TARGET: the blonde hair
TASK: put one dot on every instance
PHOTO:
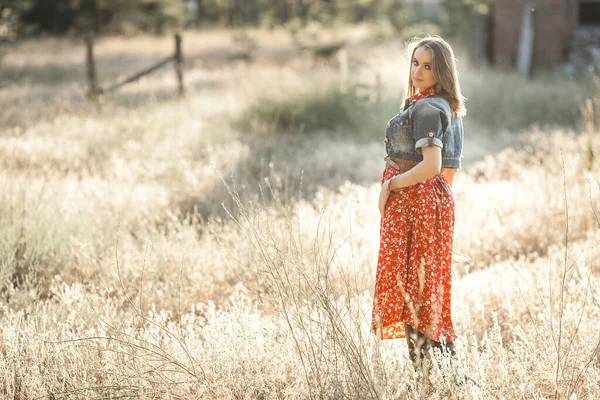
(444, 70)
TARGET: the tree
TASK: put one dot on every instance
(66, 16)
(10, 18)
(460, 15)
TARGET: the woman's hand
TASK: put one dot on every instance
(384, 194)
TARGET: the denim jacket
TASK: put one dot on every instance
(427, 122)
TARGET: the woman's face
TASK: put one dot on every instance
(421, 70)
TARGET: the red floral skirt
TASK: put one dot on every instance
(414, 268)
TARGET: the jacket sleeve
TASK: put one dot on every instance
(429, 125)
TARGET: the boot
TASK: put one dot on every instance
(417, 351)
(419, 346)
(417, 343)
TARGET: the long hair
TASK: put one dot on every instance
(444, 70)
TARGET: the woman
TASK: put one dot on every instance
(424, 147)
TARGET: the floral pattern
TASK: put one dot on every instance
(418, 96)
(414, 269)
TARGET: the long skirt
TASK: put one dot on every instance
(414, 269)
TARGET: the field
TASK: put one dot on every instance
(224, 244)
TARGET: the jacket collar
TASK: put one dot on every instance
(425, 93)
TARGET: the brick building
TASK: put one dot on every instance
(563, 30)
(554, 24)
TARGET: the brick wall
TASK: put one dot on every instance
(554, 22)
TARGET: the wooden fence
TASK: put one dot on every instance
(93, 90)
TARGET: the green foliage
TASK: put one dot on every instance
(76, 16)
(158, 16)
(459, 14)
(353, 111)
(11, 12)
(491, 101)
(155, 16)
(310, 38)
(245, 46)
(549, 100)
(55, 17)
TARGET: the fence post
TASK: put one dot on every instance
(91, 67)
(179, 64)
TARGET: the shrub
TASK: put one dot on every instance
(506, 101)
(355, 110)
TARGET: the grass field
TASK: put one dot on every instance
(223, 245)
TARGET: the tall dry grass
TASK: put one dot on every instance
(153, 247)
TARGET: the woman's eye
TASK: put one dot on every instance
(428, 67)
(415, 63)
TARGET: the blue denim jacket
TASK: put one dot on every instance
(427, 122)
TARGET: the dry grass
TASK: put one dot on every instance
(151, 248)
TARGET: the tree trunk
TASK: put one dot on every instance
(90, 67)
(241, 10)
(282, 10)
(303, 6)
(95, 16)
(231, 12)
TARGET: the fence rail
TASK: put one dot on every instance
(93, 90)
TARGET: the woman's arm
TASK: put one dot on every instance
(429, 167)
(449, 174)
